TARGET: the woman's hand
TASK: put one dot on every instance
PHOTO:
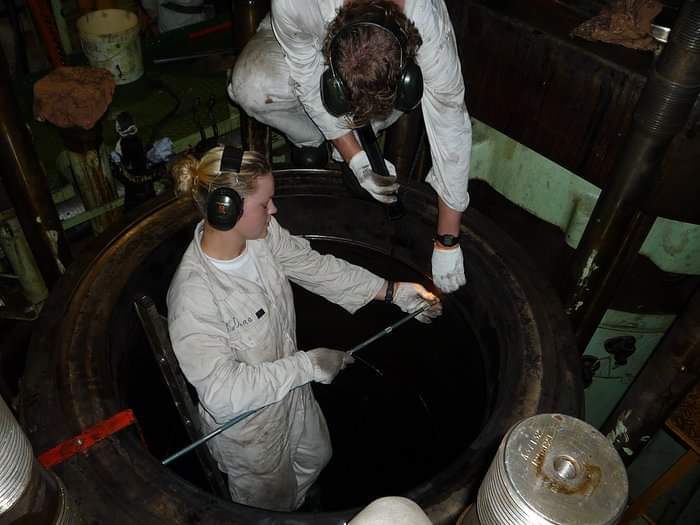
(412, 296)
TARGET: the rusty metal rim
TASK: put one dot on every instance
(70, 383)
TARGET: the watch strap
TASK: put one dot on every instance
(448, 240)
(389, 297)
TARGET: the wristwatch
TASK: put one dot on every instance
(447, 240)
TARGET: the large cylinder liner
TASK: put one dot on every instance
(553, 469)
(27, 491)
(520, 330)
(17, 458)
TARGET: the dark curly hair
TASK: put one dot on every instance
(368, 59)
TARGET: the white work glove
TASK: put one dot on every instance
(448, 268)
(328, 363)
(379, 187)
(412, 296)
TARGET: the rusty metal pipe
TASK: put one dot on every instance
(27, 187)
(402, 143)
(247, 15)
(88, 159)
(617, 228)
(668, 375)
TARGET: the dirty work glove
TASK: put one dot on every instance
(412, 296)
(448, 268)
(380, 188)
(328, 363)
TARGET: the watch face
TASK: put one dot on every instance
(448, 240)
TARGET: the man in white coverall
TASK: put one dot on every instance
(233, 328)
(277, 81)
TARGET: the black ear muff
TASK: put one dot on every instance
(333, 94)
(410, 88)
(224, 208)
(224, 204)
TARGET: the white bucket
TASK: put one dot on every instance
(110, 40)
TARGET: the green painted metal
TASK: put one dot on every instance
(610, 382)
(560, 197)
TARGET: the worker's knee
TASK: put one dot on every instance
(391, 509)
(242, 90)
(260, 78)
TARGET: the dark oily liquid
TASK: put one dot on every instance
(394, 431)
(390, 432)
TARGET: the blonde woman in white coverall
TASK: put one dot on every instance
(233, 328)
(276, 80)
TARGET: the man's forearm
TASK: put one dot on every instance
(347, 145)
(448, 219)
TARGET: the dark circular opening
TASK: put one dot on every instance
(503, 351)
(391, 415)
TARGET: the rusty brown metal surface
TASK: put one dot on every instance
(685, 420)
(89, 164)
(403, 145)
(27, 187)
(566, 98)
(247, 14)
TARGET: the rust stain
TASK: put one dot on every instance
(591, 479)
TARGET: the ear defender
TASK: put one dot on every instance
(409, 89)
(333, 93)
(224, 204)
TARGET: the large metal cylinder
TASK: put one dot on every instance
(552, 469)
(16, 468)
(425, 430)
(27, 491)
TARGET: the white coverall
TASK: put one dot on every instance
(236, 344)
(277, 82)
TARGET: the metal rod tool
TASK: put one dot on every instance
(389, 329)
(233, 421)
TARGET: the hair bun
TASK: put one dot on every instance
(183, 173)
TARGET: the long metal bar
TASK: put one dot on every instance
(204, 54)
(617, 228)
(209, 436)
(27, 187)
(389, 329)
(241, 417)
